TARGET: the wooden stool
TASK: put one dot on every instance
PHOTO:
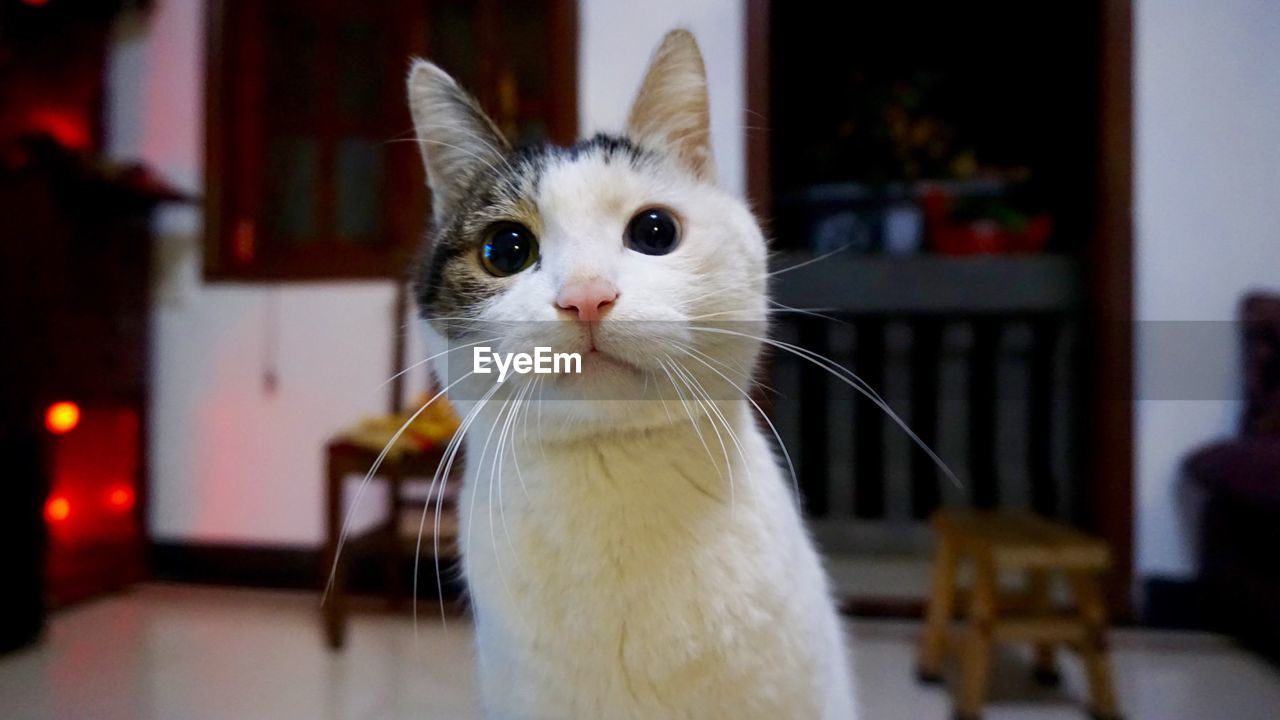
(1007, 541)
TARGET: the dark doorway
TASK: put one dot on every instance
(965, 175)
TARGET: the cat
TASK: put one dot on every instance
(631, 545)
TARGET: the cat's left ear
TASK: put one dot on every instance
(456, 138)
(672, 110)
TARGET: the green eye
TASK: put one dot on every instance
(508, 248)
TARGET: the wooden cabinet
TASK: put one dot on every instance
(312, 170)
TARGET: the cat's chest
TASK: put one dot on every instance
(639, 584)
(616, 522)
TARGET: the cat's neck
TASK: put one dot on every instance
(715, 454)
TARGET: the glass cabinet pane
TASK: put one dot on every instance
(293, 168)
(358, 174)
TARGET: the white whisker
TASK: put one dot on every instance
(795, 482)
(346, 521)
(692, 421)
(508, 407)
(429, 359)
(475, 155)
(442, 474)
(810, 261)
(696, 387)
(860, 385)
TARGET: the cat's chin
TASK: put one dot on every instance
(604, 376)
(601, 363)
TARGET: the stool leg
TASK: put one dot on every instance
(1045, 669)
(1093, 650)
(975, 664)
(939, 613)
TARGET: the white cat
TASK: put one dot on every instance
(631, 546)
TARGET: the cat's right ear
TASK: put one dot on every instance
(672, 110)
(456, 138)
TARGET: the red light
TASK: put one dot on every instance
(66, 126)
(36, 3)
(246, 239)
(120, 498)
(57, 509)
(62, 417)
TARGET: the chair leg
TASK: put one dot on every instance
(335, 609)
(1093, 651)
(335, 605)
(391, 566)
(939, 613)
(1045, 669)
(976, 656)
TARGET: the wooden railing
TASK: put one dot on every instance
(977, 355)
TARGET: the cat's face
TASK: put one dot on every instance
(619, 248)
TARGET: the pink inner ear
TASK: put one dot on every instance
(672, 111)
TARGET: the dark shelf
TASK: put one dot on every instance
(930, 284)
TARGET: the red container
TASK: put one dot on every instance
(947, 236)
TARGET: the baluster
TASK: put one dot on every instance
(1073, 495)
(984, 366)
(869, 479)
(842, 403)
(926, 354)
(1040, 425)
(815, 431)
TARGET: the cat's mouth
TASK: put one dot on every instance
(601, 366)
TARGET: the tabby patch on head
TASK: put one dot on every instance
(578, 247)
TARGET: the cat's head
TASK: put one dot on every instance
(618, 248)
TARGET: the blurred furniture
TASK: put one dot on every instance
(74, 303)
(411, 457)
(77, 307)
(396, 537)
(1240, 483)
(1003, 542)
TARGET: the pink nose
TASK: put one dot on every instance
(589, 298)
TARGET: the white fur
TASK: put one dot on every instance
(618, 568)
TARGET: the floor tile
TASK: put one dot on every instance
(182, 652)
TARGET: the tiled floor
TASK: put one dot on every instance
(178, 652)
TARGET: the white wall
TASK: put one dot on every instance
(1207, 206)
(617, 38)
(230, 462)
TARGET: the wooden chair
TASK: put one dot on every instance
(397, 536)
(996, 542)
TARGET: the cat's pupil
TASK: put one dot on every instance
(653, 232)
(509, 249)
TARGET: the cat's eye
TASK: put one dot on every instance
(653, 231)
(508, 248)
